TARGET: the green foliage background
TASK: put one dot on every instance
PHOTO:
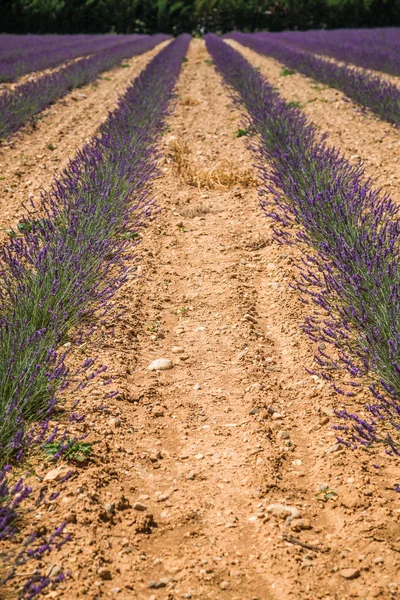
(176, 16)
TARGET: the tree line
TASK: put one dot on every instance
(177, 16)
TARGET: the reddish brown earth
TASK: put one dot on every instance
(237, 425)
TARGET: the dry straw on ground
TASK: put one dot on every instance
(224, 175)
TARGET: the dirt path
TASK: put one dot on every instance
(361, 135)
(31, 158)
(176, 502)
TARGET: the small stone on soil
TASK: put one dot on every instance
(283, 510)
(155, 585)
(334, 448)
(300, 524)
(350, 573)
(160, 364)
(57, 474)
(224, 585)
(104, 574)
(109, 507)
(177, 350)
(139, 506)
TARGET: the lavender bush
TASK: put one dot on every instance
(353, 275)
(26, 100)
(71, 262)
(370, 91)
(42, 55)
(350, 47)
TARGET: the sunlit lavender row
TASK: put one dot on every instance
(19, 105)
(33, 53)
(71, 261)
(368, 51)
(349, 233)
(370, 91)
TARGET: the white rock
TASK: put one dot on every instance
(161, 364)
(282, 510)
(57, 474)
(177, 350)
(334, 448)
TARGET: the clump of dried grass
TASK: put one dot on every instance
(224, 175)
(189, 101)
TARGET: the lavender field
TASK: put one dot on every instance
(199, 324)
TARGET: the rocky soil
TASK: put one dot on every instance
(216, 472)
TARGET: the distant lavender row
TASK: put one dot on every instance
(12, 45)
(71, 261)
(319, 200)
(52, 54)
(369, 91)
(384, 37)
(368, 53)
(18, 106)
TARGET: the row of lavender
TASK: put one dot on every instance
(18, 106)
(60, 268)
(37, 54)
(350, 237)
(12, 45)
(371, 52)
(370, 91)
(67, 266)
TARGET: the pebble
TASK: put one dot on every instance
(139, 506)
(53, 570)
(197, 386)
(350, 573)
(109, 507)
(224, 585)
(104, 574)
(156, 585)
(191, 475)
(296, 462)
(282, 510)
(283, 435)
(250, 318)
(323, 487)
(115, 590)
(334, 448)
(379, 560)
(300, 524)
(162, 497)
(177, 350)
(161, 364)
(57, 474)
(277, 415)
